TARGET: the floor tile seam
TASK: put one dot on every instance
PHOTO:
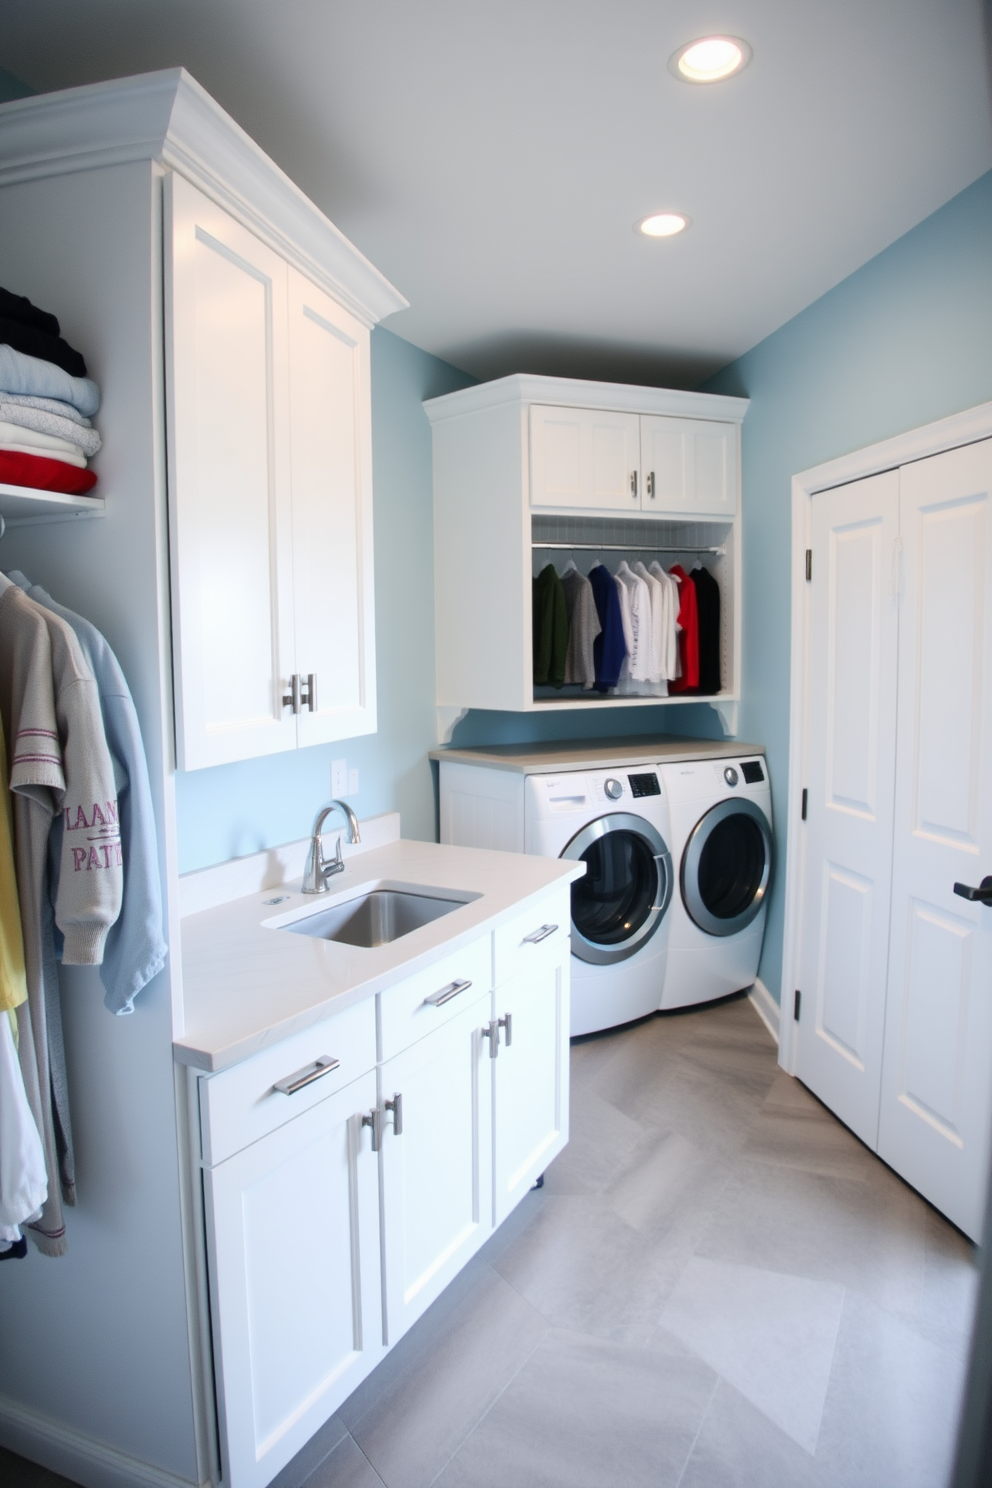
(830, 1373)
(699, 1428)
(495, 1400)
(378, 1476)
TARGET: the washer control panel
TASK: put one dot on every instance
(730, 775)
(644, 785)
(613, 788)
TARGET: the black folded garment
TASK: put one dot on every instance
(41, 344)
(20, 308)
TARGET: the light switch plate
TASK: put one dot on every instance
(339, 777)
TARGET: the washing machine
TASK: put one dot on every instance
(616, 822)
(721, 845)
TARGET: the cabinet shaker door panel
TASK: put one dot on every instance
(436, 1171)
(294, 1285)
(688, 465)
(584, 457)
(530, 1102)
(331, 442)
(714, 468)
(229, 484)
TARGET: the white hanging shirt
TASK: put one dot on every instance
(671, 665)
(23, 1181)
(639, 601)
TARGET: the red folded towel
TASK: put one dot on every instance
(43, 474)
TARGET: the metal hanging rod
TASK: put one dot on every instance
(577, 547)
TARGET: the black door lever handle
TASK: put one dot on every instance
(983, 893)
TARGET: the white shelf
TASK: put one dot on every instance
(23, 506)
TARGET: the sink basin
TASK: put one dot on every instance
(376, 918)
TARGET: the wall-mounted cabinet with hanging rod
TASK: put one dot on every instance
(532, 470)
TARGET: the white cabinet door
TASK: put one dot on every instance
(293, 1233)
(584, 457)
(331, 433)
(936, 1086)
(436, 1171)
(230, 517)
(688, 466)
(530, 1077)
(854, 637)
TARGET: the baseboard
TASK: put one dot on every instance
(765, 1006)
(64, 1450)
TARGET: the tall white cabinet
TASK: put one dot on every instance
(530, 470)
(226, 321)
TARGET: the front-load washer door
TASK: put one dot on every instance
(726, 866)
(627, 888)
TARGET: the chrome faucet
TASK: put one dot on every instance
(318, 869)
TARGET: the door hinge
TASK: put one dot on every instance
(797, 1004)
(809, 564)
(805, 801)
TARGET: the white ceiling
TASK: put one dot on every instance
(491, 156)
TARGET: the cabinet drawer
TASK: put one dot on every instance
(406, 1011)
(535, 932)
(242, 1104)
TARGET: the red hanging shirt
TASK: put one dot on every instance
(688, 619)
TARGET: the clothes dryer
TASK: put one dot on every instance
(721, 825)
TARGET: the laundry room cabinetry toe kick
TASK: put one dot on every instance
(535, 474)
(350, 1169)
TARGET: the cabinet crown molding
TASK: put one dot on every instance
(167, 117)
(569, 392)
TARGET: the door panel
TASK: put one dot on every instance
(848, 841)
(436, 1174)
(688, 465)
(332, 514)
(584, 457)
(229, 484)
(936, 1085)
(530, 1086)
(295, 1293)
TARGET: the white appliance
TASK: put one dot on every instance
(721, 825)
(616, 822)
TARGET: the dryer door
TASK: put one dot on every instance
(726, 866)
(621, 901)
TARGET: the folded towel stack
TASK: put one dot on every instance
(46, 403)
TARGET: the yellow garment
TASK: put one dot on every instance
(13, 986)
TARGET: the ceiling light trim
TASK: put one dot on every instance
(703, 78)
(670, 224)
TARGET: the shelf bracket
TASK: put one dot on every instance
(448, 720)
(727, 714)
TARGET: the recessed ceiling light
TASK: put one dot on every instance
(662, 224)
(710, 59)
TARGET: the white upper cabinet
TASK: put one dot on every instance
(688, 466)
(583, 457)
(270, 496)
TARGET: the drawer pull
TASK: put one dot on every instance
(445, 994)
(396, 1106)
(506, 1023)
(536, 936)
(373, 1119)
(306, 1076)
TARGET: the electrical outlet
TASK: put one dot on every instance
(339, 777)
(353, 782)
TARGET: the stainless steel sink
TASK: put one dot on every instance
(376, 918)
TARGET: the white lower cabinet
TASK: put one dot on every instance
(436, 1163)
(329, 1232)
(293, 1242)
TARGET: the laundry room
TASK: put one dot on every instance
(536, 487)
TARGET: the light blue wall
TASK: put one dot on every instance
(235, 809)
(905, 340)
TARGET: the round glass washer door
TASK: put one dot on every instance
(621, 901)
(726, 867)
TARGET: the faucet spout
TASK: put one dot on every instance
(318, 870)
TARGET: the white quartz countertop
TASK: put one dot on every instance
(248, 984)
(596, 754)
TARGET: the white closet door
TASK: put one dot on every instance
(584, 457)
(229, 484)
(937, 1078)
(848, 833)
(331, 433)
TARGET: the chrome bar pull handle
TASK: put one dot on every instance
(650, 485)
(310, 692)
(396, 1106)
(536, 936)
(373, 1119)
(633, 484)
(293, 698)
(506, 1022)
(491, 1032)
(445, 994)
(306, 1076)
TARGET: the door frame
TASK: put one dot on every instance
(968, 427)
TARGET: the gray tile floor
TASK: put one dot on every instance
(717, 1287)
